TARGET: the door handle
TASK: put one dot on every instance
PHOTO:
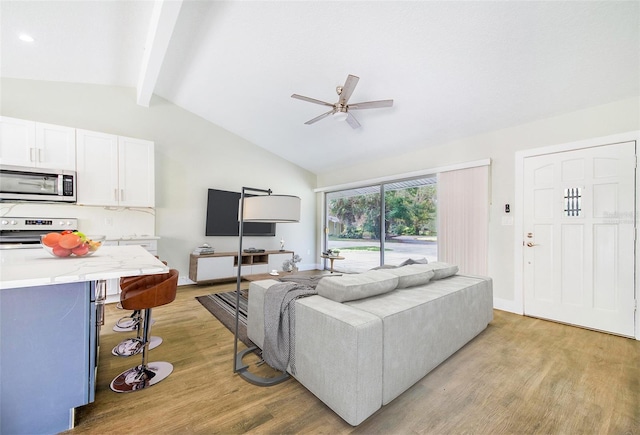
(531, 245)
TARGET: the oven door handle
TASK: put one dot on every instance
(101, 297)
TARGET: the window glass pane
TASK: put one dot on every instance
(573, 201)
(410, 221)
(353, 228)
(354, 224)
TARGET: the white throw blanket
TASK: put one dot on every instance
(279, 324)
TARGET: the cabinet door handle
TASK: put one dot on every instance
(31, 153)
(39, 154)
(121, 194)
(115, 194)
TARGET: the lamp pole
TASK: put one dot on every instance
(238, 366)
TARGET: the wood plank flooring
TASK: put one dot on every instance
(520, 376)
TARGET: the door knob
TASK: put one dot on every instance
(531, 245)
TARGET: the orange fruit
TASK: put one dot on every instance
(69, 241)
(81, 250)
(51, 239)
(60, 251)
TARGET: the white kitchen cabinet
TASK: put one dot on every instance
(36, 144)
(114, 170)
(150, 245)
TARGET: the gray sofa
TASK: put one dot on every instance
(366, 338)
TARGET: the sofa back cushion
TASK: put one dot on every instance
(440, 269)
(351, 287)
(412, 275)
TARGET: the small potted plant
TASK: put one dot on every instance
(290, 265)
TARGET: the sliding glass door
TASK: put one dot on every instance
(353, 228)
(355, 221)
(410, 221)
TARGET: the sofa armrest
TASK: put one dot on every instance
(339, 356)
(338, 351)
(255, 311)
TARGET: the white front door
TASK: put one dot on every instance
(579, 216)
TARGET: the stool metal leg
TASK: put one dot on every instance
(133, 346)
(146, 374)
(129, 323)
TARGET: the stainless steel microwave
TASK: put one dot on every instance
(19, 183)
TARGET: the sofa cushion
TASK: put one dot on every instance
(406, 262)
(410, 276)
(351, 287)
(441, 269)
(409, 261)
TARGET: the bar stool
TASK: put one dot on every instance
(132, 346)
(133, 321)
(144, 294)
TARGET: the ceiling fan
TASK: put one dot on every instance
(341, 110)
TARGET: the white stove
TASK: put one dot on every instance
(25, 232)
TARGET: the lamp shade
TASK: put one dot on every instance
(272, 208)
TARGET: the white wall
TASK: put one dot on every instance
(500, 146)
(191, 156)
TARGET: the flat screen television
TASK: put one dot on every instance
(222, 216)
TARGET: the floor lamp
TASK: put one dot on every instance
(265, 208)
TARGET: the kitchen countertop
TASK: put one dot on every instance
(135, 237)
(33, 267)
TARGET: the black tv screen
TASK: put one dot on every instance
(222, 216)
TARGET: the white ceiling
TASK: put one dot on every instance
(454, 69)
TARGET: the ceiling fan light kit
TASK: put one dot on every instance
(340, 110)
(340, 116)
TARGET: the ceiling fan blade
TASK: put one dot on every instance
(311, 100)
(348, 88)
(371, 104)
(353, 122)
(318, 118)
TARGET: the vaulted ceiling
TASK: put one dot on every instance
(453, 69)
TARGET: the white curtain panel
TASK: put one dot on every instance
(463, 218)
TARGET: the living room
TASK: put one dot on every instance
(193, 153)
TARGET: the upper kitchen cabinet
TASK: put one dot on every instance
(36, 144)
(114, 170)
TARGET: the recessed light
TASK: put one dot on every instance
(26, 38)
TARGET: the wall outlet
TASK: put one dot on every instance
(108, 221)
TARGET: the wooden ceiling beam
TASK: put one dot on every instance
(163, 20)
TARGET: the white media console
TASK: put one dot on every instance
(223, 266)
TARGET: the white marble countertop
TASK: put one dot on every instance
(134, 237)
(32, 267)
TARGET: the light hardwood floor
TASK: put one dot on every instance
(520, 376)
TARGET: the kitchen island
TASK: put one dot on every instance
(50, 317)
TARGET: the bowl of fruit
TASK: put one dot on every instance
(70, 244)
